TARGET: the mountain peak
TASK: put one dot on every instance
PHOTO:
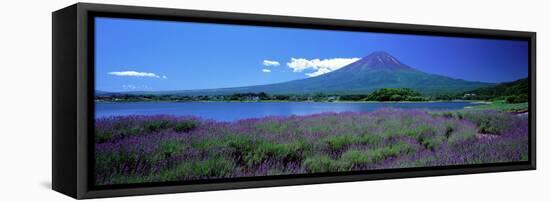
(381, 59)
(378, 60)
(380, 53)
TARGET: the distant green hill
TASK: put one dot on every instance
(513, 92)
(100, 92)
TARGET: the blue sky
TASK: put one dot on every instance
(135, 55)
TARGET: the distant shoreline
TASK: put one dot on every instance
(276, 101)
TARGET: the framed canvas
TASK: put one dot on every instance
(157, 100)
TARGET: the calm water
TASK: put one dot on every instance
(230, 111)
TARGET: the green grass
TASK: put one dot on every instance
(214, 167)
(462, 135)
(323, 163)
(272, 127)
(355, 157)
(338, 142)
(185, 126)
(156, 125)
(168, 148)
(127, 128)
(107, 162)
(501, 105)
(180, 149)
(208, 143)
(255, 151)
(279, 151)
(486, 121)
(103, 136)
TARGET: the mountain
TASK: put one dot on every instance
(375, 71)
(100, 92)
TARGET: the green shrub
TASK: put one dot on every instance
(421, 131)
(489, 122)
(155, 126)
(396, 97)
(397, 149)
(116, 162)
(273, 127)
(427, 136)
(254, 151)
(393, 94)
(430, 142)
(102, 136)
(447, 114)
(215, 167)
(517, 98)
(449, 129)
(368, 139)
(356, 157)
(122, 132)
(264, 150)
(170, 148)
(208, 143)
(415, 99)
(241, 143)
(487, 128)
(338, 142)
(323, 163)
(185, 126)
(464, 134)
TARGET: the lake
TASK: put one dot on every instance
(231, 111)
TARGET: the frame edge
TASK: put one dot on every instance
(84, 191)
(64, 145)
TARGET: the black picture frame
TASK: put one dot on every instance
(73, 104)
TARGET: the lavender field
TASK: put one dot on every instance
(138, 149)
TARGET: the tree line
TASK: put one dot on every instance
(512, 92)
(384, 94)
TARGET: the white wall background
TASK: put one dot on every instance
(25, 102)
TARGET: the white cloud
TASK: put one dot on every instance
(131, 87)
(319, 72)
(269, 63)
(319, 66)
(137, 74)
(266, 70)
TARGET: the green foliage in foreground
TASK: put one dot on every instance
(340, 141)
(354, 157)
(487, 122)
(254, 151)
(164, 148)
(144, 127)
(169, 148)
(217, 166)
